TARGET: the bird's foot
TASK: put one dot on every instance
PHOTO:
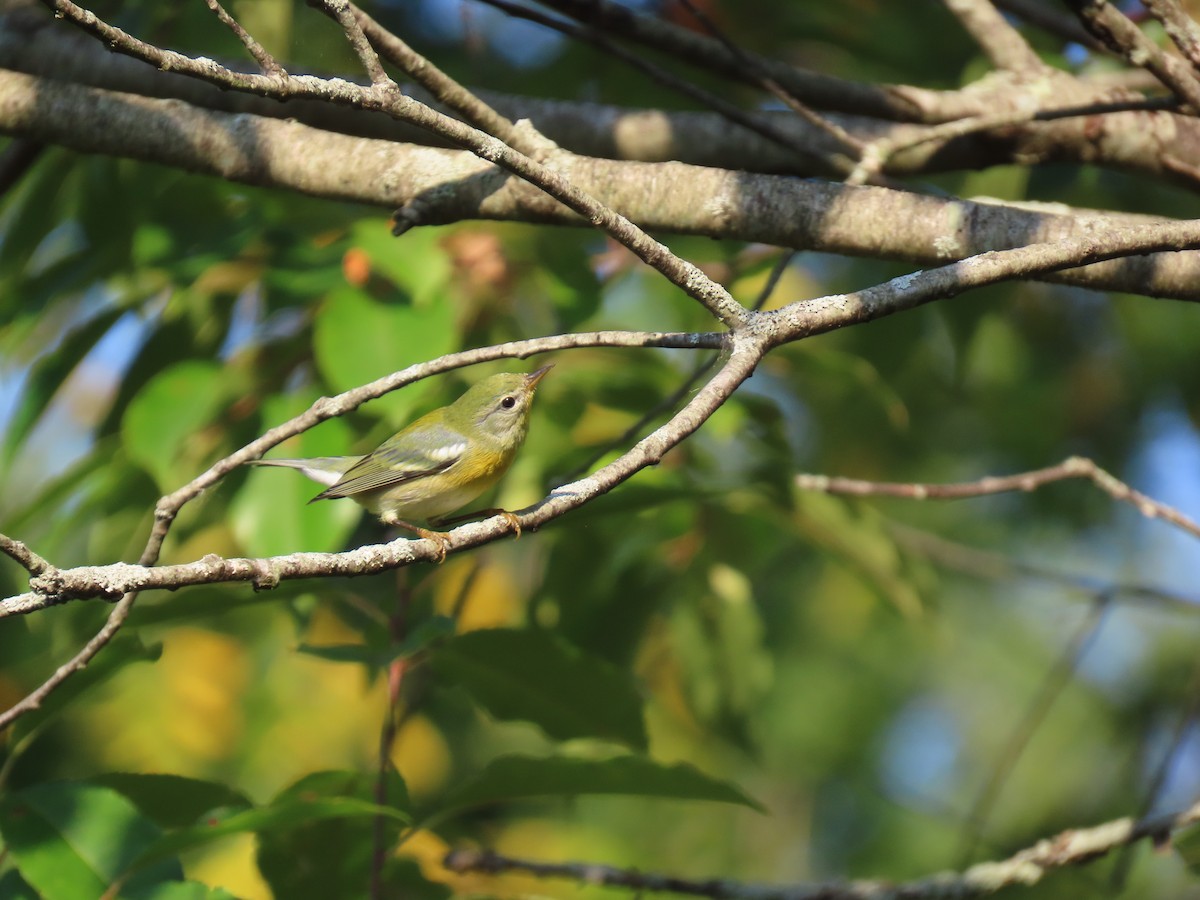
(513, 522)
(440, 538)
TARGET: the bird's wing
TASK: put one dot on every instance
(396, 461)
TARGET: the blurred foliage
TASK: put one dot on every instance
(704, 632)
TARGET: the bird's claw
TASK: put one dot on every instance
(513, 522)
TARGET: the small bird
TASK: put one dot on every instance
(438, 463)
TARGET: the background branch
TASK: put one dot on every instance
(1068, 848)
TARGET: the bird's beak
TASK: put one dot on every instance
(532, 379)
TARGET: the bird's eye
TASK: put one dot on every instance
(508, 402)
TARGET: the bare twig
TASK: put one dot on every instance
(710, 55)
(759, 73)
(342, 13)
(1074, 847)
(998, 566)
(1179, 734)
(1114, 28)
(18, 551)
(758, 124)
(689, 384)
(806, 317)
(1052, 686)
(1179, 27)
(446, 89)
(880, 152)
(1052, 20)
(1001, 42)
(1072, 467)
(385, 96)
(266, 62)
(397, 631)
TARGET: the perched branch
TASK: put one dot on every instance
(111, 579)
(711, 55)
(1074, 847)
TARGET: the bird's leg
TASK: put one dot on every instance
(438, 537)
(513, 522)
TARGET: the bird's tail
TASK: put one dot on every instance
(325, 470)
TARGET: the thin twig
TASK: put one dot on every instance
(998, 566)
(18, 551)
(1114, 28)
(1179, 27)
(758, 124)
(444, 88)
(385, 96)
(397, 632)
(1179, 734)
(1073, 847)
(708, 54)
(340, 11)
(1052, 20)
(689, 384)
(1052, 686)
(266, 62)
(879, 152)
(1072, 467)
(1002, 43)
(788, 98)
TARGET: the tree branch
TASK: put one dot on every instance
(1017, 108)
(1074, 847)
(1073, 467)
(787, 212)
(1114, 28)
(1002, 43)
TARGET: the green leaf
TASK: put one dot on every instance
(71, 840)
(283, 815)
(50, 371)
(422, 636)
(535, 676)
(522, 777)
(173, 801)
(317, 798)
(330, 859)
(178, 890)
(167, 413)
(416, 262)
(14, 887)
(1187, 845)
(357, 340)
